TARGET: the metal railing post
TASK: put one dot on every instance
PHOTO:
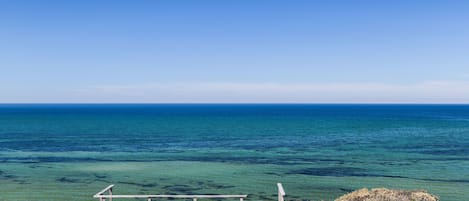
(110, 194)
(281, 192)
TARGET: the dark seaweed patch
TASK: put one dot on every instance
(67, 180)
(219, 186)
(359, 172)
(212, 184)
(181, 188)
(34, 160)
(449, 152)
(143, 185)
(449, 180)
(4, 175)
(440, 159)
(342, 172)
(332, 171)
(9, 176)
(346, 189)
(231, 159)
(20, 181)
(273, 173)
(100, 176)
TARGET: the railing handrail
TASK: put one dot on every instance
(172, 196)
(102, 191)
(103, 197)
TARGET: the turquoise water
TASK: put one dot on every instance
(319, 152)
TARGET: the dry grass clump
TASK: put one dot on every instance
(383, 194)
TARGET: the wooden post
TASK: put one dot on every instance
(110, 194)
(241, 199)
(194, 199)
(149, 199)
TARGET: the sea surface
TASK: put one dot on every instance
(55, 152)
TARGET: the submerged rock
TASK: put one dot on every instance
(383, 194)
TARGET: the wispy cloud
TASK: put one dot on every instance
(426, 92)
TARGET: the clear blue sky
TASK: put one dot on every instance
(234, 51)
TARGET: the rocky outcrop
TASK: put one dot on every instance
(383, 194)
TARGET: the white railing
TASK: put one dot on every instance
(281, 192)
(102, 196)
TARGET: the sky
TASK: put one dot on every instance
(234, 51)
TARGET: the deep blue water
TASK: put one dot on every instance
(249, 126)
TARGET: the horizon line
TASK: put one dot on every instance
(227, 103)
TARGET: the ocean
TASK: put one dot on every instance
(55, 152)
